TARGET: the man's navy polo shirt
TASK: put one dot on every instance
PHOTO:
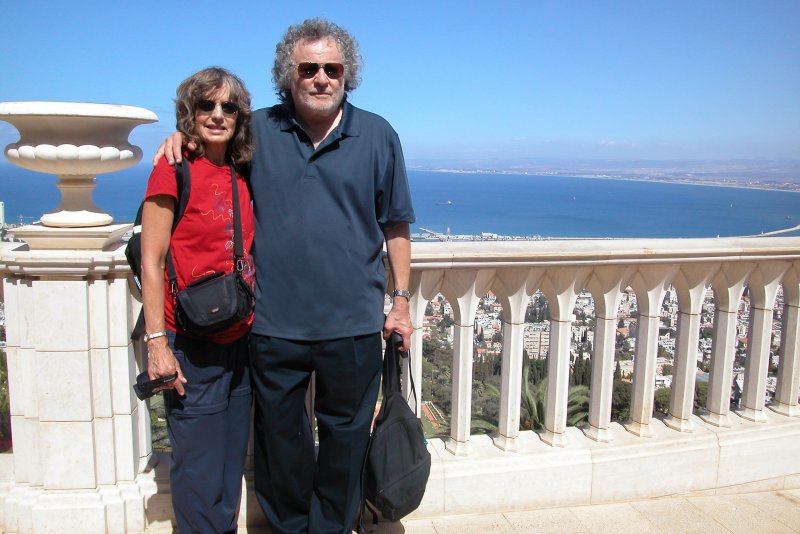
(319, 213)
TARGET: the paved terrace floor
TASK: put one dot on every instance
(765, 512)
(770, 512)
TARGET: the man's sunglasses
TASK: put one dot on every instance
(334, 71)
(228, 108)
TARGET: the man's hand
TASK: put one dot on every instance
(398, 247)
(399, 320)
(171, 149)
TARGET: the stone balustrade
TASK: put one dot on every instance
(83, 462)
(681, 453)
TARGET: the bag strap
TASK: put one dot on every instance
(183, 187)
(238, 247)
(391, 366)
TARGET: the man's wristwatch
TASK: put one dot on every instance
(401, 293)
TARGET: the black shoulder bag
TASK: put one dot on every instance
(398, 463)
(219, 300)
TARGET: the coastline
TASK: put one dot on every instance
(786, 187)
(431, 236)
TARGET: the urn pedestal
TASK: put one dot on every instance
(81, 439)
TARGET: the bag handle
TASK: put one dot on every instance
(392, 369)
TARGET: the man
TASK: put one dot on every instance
(329, 186)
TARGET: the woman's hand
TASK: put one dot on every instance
(161, 362)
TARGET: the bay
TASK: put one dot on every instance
(559, 206)
(499, 203)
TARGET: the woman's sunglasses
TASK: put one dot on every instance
(228, 108)
(334, 71)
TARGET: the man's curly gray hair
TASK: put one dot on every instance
(314, 30)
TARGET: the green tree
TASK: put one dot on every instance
(577, 369)
(587, 373)
(581, 372)
(446, 323)
(437, 374)
(621, 401)
(538, 370)
(661, 400)
(700, 396)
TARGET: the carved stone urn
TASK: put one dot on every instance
(75, 141)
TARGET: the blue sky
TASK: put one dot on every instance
(457, 79)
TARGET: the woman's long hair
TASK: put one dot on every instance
(200, 86)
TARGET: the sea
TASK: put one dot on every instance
(461, 203)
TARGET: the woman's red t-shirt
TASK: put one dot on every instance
(203, 240)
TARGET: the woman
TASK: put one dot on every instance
(208, 405)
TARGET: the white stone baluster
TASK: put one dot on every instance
(763, 284)
(514, 288)
(561, 286)
(650, 284)
(424, 285)
(728, 285)
(786, 393)
(690, 283)
(606, 285)
(463, 288)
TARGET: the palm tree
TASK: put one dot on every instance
(485, 396)
(533, 403)
(577, 405)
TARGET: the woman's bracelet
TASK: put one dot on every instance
(148, 337)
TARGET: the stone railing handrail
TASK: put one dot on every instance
(469, 254)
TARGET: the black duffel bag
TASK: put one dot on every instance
(397, 463)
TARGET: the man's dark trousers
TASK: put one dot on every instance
(298, 493)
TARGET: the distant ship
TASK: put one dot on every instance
(448, 203)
